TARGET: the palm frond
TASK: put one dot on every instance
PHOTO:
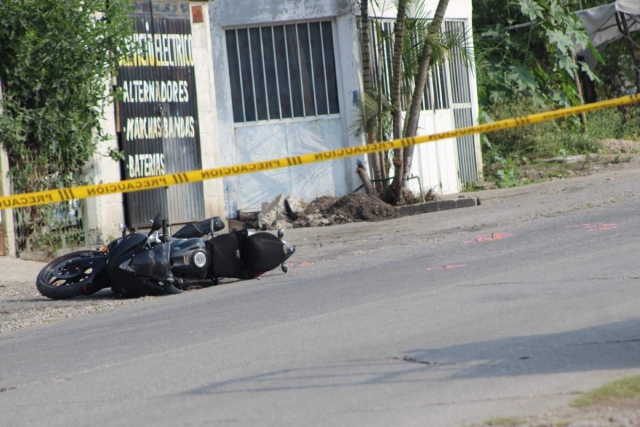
(368, 114)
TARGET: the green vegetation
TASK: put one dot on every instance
(58, 59)
(621, 389)
(502, 422)
(528, 48)
(527, 60)
(583, 406)
(508, 153)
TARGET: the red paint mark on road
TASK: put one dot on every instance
(446, 267)
(597, 226)
(604, 227)
(493, 236)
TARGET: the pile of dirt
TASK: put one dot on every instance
(324, 211)
(350, 208)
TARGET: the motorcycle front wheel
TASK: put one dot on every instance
(69, 275)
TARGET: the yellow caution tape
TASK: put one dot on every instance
(139, 184)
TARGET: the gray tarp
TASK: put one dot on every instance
(602, 26)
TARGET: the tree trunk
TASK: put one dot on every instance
(382, 183)
(365, 46)
(395, 190)
(366, 182)
(576, 78)
(413, 114)
(374, 159)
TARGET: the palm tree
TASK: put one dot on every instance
(403, 157)
(413, 115)
(416, 46)
(394, 195)
(374, 158)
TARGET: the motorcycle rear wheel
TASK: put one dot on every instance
(66, 276)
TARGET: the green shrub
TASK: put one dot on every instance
(505, 151)
(605, 124)
(614, 123)
(546, 139)
(631, 123)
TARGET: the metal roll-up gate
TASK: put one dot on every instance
(158, 113)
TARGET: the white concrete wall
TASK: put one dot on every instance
(105, 213)
(6, 216)
(457, 9)
(244, 192)
(207, 111)
(230, 13)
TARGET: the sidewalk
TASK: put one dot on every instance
(17, 270)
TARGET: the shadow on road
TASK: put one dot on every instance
(604, 347)
(612, 346)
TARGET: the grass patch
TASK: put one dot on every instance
(617, 160)
(502, 422)
(621, 389)
(541, 171)
(472, 186)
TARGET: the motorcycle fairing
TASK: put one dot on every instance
(124, 247)
(127, 281)
(224, 263)
(264, 252)
(153, 263)
(245, 254)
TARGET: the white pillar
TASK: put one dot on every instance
(6, 216)
(207, 114)
(104, 213)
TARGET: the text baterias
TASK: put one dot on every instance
(142, 165)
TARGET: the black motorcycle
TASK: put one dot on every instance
(139, 264)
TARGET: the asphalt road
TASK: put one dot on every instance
(367, 329)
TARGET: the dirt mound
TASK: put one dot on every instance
(324, 211)
(350, 208)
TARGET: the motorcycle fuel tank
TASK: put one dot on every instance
(190, 258)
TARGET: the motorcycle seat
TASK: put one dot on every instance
(200, 228)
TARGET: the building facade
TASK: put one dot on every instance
(246, 81)
(288, 82)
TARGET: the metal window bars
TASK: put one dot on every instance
(293, 76)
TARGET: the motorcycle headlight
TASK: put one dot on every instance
(200, 259)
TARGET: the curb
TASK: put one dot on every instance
(440, 205)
